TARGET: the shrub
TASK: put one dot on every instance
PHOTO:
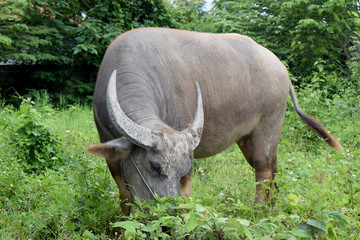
(34, 144)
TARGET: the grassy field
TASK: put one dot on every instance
(50, 188)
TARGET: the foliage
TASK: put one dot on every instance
(35, 31)
(354, 62)
(37, 56)
(189, 3)
(189, 14)
(40, 30)
(61, 202)
(317, 198)
(301, 32)
(60, 44)
(105, 20)
(34, 144)
(176, 218)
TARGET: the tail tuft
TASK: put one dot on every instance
(315, 125)
(321, 131)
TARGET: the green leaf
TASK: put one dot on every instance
(244, 222)
(5, 40)
(200, 208)
(301, 233)
(89, 235)
(355, 14)
(166, 219)
(317, 224)
(129, 235)
(248, 233)
(127, 225)
(221, 221)
(331, 233)
(357, 21)
(293, 199)
(154, 227)
(343, 220)
(185, 206)
(191, 223)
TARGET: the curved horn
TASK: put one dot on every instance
(196, 129)
(135, 133)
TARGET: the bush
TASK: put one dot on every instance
(33, 143)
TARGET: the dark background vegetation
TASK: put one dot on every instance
(58, 45)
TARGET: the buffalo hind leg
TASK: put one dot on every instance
(264, 141)
(264, 175)
(246, 149)
(260, 152)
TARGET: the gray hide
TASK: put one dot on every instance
(145, 122)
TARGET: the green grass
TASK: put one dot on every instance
(76, 197)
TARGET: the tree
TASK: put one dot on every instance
(35, 31)
(189, 3)
(188, 14)
(105, 20)
(58, 44)
(301, 32)
(40, 30)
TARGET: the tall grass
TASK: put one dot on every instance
(76, 198)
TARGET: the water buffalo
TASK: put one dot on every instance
(166, 96)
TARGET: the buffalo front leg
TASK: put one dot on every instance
(185, 184)
(124, 194)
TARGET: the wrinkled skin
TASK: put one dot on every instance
(244, 90)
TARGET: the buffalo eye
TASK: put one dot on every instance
(155, 167)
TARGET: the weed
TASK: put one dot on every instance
(33, 144)
(75, 197)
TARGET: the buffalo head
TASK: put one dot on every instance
(147, 161)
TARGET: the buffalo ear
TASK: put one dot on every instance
(114, 149)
